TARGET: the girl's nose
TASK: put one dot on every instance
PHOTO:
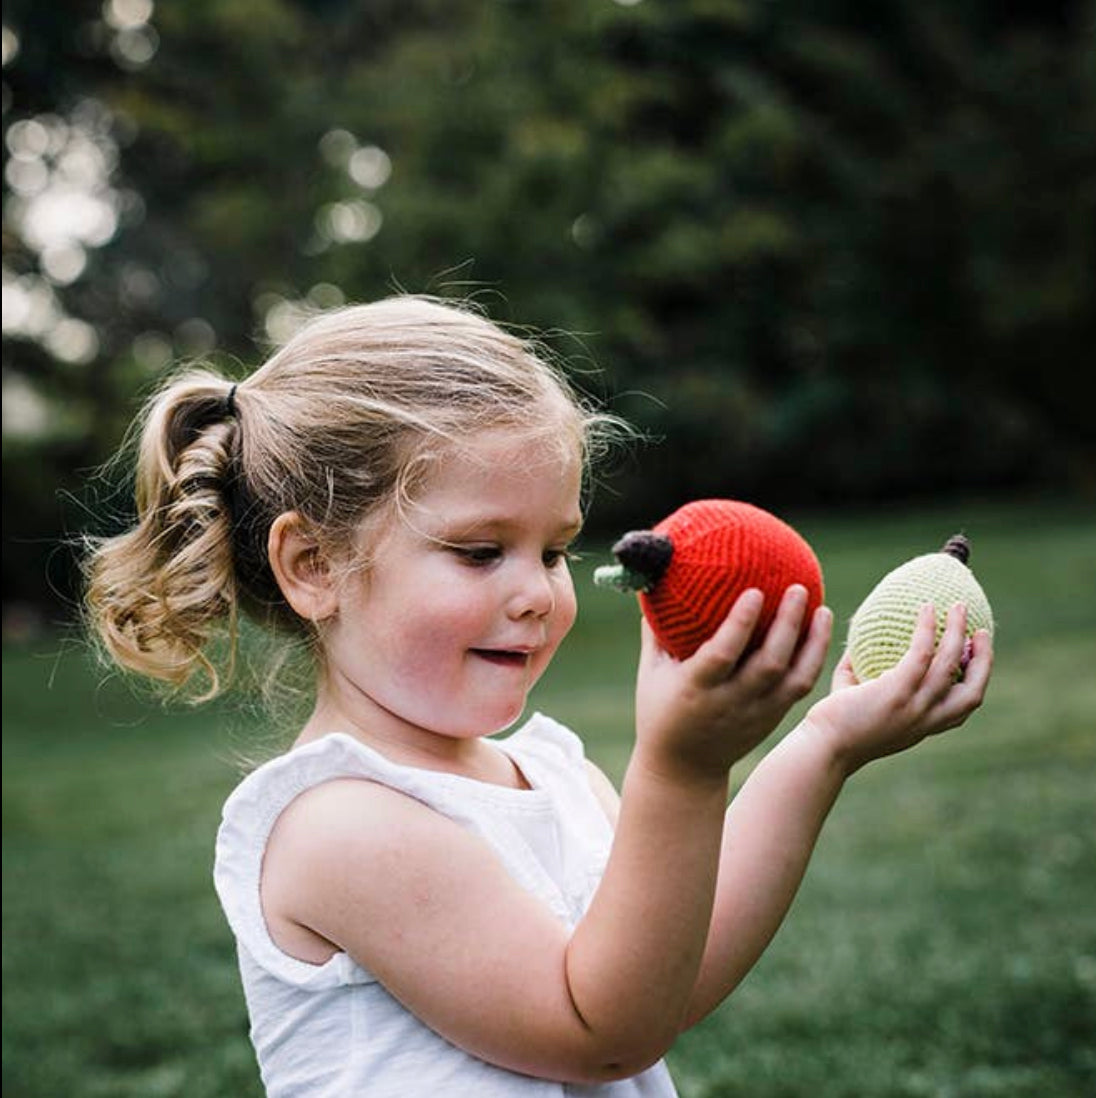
(534, 594)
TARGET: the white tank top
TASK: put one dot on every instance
(331, 1030)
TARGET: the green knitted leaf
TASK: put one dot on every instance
(623, 579)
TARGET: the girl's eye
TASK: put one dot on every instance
(555, 557)
(478, 554)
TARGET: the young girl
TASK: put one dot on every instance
(421, 909)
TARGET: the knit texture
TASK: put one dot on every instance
(721, 548)
(882, 627)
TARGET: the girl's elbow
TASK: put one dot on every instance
(623, 1062)
(613, 1070)
(597, 1062)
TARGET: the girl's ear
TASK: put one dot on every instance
(302, 571)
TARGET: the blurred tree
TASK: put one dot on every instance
(825, 255)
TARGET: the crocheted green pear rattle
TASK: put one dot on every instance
(883, 625)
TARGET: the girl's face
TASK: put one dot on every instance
(467, 596)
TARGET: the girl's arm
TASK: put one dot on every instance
(772, 824)
(483, 962)
(648, 924)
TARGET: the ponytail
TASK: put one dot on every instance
(158, 594)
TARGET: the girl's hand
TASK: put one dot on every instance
(918, 697)
(697, 717)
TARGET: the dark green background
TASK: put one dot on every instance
(822, 252)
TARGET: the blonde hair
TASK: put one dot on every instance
(332, 426)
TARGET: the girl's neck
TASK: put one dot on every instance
(407, 745)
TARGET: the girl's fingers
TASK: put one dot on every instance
(949, 652)
(779, 660)
(976, 677)
(783, 636)
(650, 650)
(719, 655)
(914, 665)
(966, 696)
(843, 674)
(811, 656)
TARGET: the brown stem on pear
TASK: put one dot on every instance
(957, 546)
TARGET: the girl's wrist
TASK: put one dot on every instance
(693, 777)
(816, 736)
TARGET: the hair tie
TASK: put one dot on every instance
(230, 403)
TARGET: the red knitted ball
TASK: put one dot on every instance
(720, 548)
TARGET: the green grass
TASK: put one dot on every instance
(943, 944)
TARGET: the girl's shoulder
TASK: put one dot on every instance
(249, 818)
(335, 755)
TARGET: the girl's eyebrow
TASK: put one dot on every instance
(478, 527)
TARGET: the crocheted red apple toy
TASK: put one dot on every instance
(692, 566)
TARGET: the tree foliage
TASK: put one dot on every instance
(823, 253)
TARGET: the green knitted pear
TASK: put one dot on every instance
(882, 627)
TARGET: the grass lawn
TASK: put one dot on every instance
(943, 944)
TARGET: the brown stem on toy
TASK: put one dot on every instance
(645, 553)
(957, 546)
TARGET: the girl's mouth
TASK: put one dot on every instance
(502, 657)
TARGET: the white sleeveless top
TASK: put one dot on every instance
(332, 1030)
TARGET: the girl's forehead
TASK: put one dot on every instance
(507, 453)
(503, 473)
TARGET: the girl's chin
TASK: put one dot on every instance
(494, 725)
(487, 721)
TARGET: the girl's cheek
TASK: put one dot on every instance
(568, 611)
